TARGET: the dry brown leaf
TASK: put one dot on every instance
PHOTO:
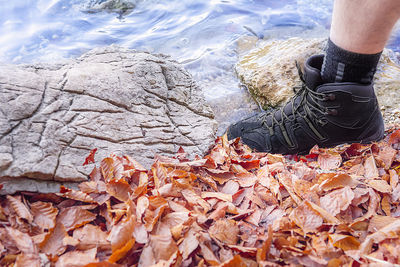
(236, 261)
(90, 236)
(389, 231)
(385, 205)
(225, 231)
(193, 199)
(380, 186)
(306, 218)
(189, 244)
(218, 195)
(122, 251)
(345, 242)
(371, 171)
(163, 247)
(75, 195)
(262, 253)
(77, 258)
(22, 240)
(121, 233)
(75, 217)
(336, 181)
(53, 243)
(44, 214)
(387, 155)
(20, 208)
(329, 218)
(157, 206)
(337, 201)
(120, 189)
(141, 206)
(329, 160)
(377, 222)
(31, 260)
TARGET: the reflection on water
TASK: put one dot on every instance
(200, 34)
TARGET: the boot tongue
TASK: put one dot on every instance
(312, 71)
(312, 78)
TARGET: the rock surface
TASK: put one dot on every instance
(113, 99)
(270, 73)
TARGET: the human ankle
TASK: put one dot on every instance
(341, 65)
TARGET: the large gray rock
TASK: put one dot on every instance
(270, 73)
(113, 99)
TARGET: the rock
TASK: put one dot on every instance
(122, 7)
(113, 99)
(270, 73)
(269, 70)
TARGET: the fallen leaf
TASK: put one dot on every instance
(53, 243)
(75, 217)
(44, 214)
(345, 242)
(380, 186)
(121, 233)
(371, 171)
(225, 231)
(120, 189)
(337, 201)
(20, 209)
(236, 261)
(306, 218)
(90, 158)
(394, 137)
(389, 231)
(77, 258)
(218, 195)
(163, 247)
(337, 181)
(329, 160)
(121, 251)
(90, 236)
(22, 240)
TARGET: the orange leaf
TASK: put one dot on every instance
(236, 261)
(90, 157)
(44, 214)
(225, 231)
(121, 233)
(22, 240)
(75, 195)
(119, 189)
(20, 209)
(53, 243)
(75, 217)
(306, 218)
(337, 200)
(345, 242)
(163, 246)
(31, 260)
(121, 252)
(90, 236)
(380, 186)
(336, 181)
(394, 138)
(77, 258)
(329, 160)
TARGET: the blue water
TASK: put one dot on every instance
(200, 34)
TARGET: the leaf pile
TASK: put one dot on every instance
(233, 207)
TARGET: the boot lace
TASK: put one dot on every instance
(312, 111)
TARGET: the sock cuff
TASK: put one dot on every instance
(347, 57)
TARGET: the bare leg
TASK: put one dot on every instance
(363, 26)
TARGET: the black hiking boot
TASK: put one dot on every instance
(325, 114)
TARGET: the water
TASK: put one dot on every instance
(202, 35)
